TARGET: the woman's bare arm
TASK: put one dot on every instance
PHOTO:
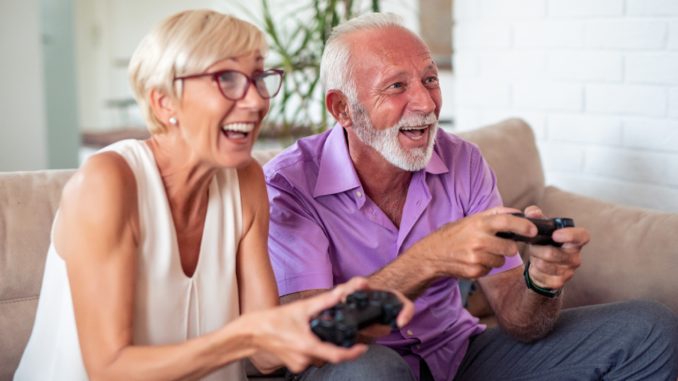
(97, 235)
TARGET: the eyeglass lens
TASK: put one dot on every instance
(234, 84)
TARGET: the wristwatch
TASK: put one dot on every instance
(547, 292)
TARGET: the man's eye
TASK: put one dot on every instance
(431, 81)
(397, 85)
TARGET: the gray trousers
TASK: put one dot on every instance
(621, 341)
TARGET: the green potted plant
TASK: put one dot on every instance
(297, 33)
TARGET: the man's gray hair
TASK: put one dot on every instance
(335, 71)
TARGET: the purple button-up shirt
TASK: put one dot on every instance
(325, 230)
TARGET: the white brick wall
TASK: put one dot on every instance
(585, 8)
(673, 102)
(626, 99)
(673, 35)
(596, 79)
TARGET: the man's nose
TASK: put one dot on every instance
(421, 99)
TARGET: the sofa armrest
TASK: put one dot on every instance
(633, 252)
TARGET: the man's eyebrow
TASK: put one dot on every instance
(392, 76)
(431, 66)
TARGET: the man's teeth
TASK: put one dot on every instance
(413, 128)
(238, 127)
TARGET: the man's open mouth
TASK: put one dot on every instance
(415, 132)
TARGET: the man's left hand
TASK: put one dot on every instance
(551, 267)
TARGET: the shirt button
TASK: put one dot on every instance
(359, 194)
(417, 346)
(409, 332)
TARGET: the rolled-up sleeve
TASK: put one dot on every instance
(485, 195)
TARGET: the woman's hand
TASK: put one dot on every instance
(284, 333)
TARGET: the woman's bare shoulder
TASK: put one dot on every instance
(98, 203)
(253, 191)
(104, 176)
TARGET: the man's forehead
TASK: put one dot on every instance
(389, 46)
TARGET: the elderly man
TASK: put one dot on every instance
(386, 194)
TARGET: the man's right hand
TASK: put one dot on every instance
(469, 248)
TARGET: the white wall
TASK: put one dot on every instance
(22, 125)
(596, 79)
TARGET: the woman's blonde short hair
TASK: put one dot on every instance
(186, 43)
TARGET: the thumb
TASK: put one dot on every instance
(499, 210)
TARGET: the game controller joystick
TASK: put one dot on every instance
(545, 228)
(340, 324)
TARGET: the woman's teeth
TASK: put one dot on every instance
(237, 130)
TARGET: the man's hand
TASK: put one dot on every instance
(552, 267)
(469, 248)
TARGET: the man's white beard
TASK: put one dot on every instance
(386, 141)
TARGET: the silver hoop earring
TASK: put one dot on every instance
(173, 121)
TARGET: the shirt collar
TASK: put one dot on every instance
(336, 172)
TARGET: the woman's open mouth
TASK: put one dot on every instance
(237, 131)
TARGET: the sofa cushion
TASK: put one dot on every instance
(632, 253)
(27, 204)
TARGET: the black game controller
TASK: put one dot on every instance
(340, 324)
(545, 228)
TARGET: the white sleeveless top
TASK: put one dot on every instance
(169, 306)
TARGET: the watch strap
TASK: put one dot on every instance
(547, 292)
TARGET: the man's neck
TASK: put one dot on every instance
(382, 182)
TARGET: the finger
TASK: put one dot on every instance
(354, 284)
(315, 304)
(407, 312)
(549, 254)
(572, 236)
(547, 269)
(533, 211)
(498, 210)
(501, 247)
(493, 258)
(549, 275)
(509, 223)
(334, 354)
(328, 299)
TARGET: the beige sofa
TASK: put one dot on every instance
(633, 252)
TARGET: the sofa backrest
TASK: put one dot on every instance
(511, 151)
(28, 201)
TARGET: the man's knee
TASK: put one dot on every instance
(649, 318)
(378, 363)
(655, 322)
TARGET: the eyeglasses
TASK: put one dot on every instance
(234, 84)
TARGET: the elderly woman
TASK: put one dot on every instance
(158, 267)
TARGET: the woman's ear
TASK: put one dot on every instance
(163, 107)
(337, 105)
